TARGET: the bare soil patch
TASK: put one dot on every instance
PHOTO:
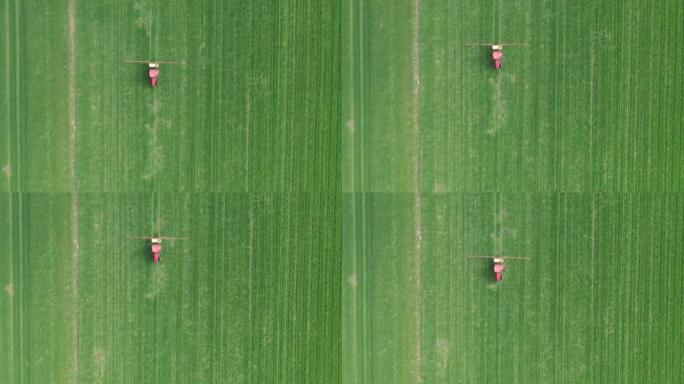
(352, 281)
(7, 171)
(351, 125)
(9, 289)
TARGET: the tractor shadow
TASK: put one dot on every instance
(482, 58)
(138, 76)
(143, 254)
(142, 78)
(485, 273)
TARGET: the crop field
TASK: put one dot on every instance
(252, 109)
(238, 149)
(334, 165)
(598, 301)
(570, 154)
(249, 298)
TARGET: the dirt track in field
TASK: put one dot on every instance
(417, 211)
(74, 369)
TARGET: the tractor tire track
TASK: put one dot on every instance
(7, 169)
(359, 302)
(417, 209)
(75, 257)
(16, 349)
(9, 288)
(17, 88)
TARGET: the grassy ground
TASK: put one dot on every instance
(586, 106)
(570, 155)
(253, 297)
(596, 303)
(254, 107)
(39, 304)
(35, 148)
(238, 149)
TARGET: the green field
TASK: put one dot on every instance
(250, 298)
(599, 301)
(238, 149)
(334, 164)
(253, 109)
(589, 105)
(571, 154)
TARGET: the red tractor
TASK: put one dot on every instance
(497, 55)
(153, 73)
(156, 248)
(499, 268)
